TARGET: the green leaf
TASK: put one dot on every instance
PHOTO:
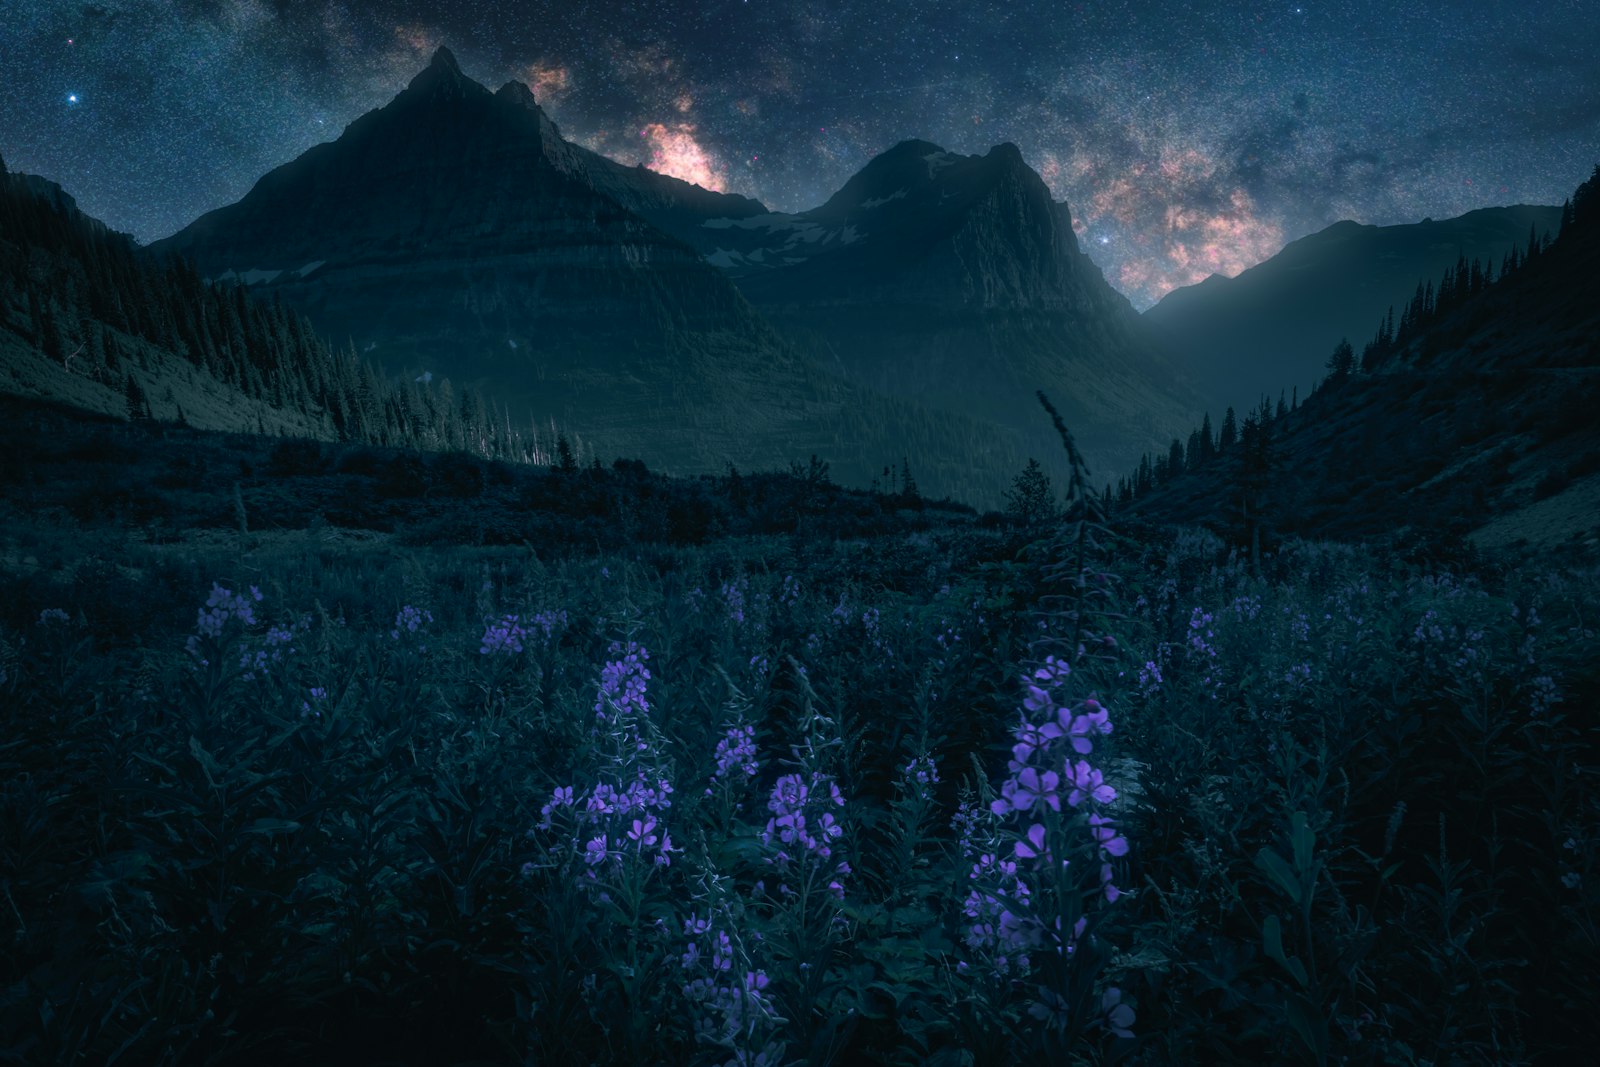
(271, 826)
(1310, 1025)
(1277, 869)
(208, 763)
(1272, 941)
(1304, 841)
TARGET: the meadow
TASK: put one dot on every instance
(966, 793)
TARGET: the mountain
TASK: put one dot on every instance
(1478, 421)
(454, 232)
(88, 322)
(1272, 328)
(955, 281)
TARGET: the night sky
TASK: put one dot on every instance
(1189, 138)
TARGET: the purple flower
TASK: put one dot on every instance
(1032, 844)
(1088, 782)
(1106, 835)
(1020, 793)
(409, 620)
(595, 851)
(1037, 700)
(622, 681)
(1118, 1016)
(642, 832)
(221, 607)
(737, 749)
(502, 637)
(53, 615)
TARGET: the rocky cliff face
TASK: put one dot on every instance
(957, 282)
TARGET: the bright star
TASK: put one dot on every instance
(72, 98)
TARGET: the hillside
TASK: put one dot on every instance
(1270, 329)
(1478, 421)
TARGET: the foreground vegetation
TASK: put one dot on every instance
(947, 793)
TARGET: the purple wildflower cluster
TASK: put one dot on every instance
(549, 621)
(502, 637)
(312, 707)
(222, 607)
(610, 823)
(276, 646)
(409, 621)
(922, 771)
(622, 681)
(789, 595)
(737, 750)
(1202, 650)
(733, 596)
(801, 821)
(53, 616)
(1049, 777)
(1150, 678)
(840, 615)
(734, 1009)
(947, 639)
(1545, 695)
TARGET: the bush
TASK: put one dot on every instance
(296, 457)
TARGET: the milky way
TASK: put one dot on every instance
(1188, 138)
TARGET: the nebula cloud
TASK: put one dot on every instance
(674, 150)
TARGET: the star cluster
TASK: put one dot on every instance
(1188, 138)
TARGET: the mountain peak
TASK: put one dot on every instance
(442, 77)
(518, 93)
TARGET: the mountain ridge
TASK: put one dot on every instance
(1270, 329)
(505, 254)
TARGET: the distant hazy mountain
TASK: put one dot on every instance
(1273, 327)
(956, 282)
(1481, 421)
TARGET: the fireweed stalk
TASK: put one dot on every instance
(804, 871)
(611, 842)
(1042, 866)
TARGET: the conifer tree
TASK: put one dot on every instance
(1343, 361)
(1230, 433)
(1030, 501)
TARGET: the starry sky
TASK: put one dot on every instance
(1188, 137)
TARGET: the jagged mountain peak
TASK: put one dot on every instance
(442, 78)
(518, 93)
